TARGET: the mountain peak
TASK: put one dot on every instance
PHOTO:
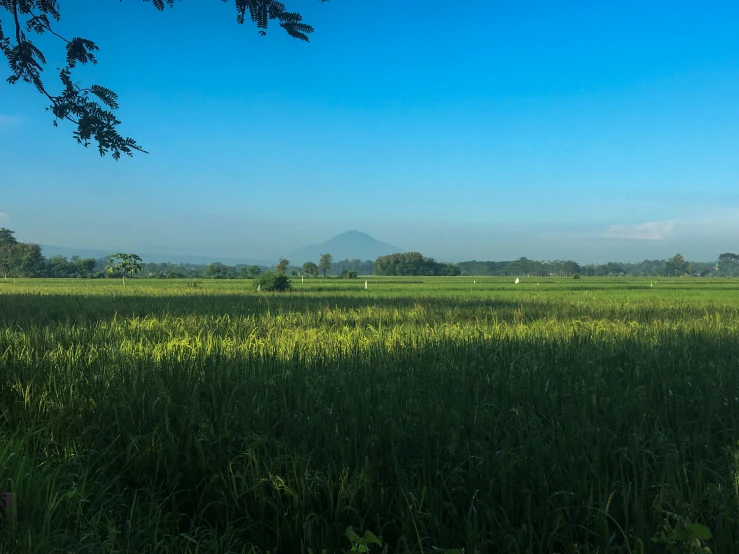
(347, 245)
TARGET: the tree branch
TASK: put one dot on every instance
(18, 31)
(97, 121)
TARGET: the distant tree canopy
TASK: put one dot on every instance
(310, 269)
(520, 267)
(18, 259)
(675, 266)
(123, 264)
(282, 266)
(360, 267)
(251, 272)
(325, 263)
(413, 263)
(728, 264)
(92, 108)
(272, 282)
(338, 268)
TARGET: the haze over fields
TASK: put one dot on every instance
(594, 132)
(348, 245)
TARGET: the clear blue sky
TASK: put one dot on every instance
(488, 130)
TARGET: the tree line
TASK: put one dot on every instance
(727, 265)
(19, 259)
(414, 263)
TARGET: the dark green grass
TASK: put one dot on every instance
(560, 417)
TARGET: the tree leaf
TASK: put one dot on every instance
(698, 531)
(370, 537)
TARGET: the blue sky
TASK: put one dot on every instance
(591, 131)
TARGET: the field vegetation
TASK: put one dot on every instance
(557, 415)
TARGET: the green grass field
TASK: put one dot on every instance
(551, 416)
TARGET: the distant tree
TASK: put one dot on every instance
(413, 263)
(362, 267)
(728, 264)
(26, 260)
(253, 271)
(5, 261)
(325, 263)
(295, 272)
(610, 269)
(59, 266)
(676, 266)
(92, 109)
(282, 266)
(448, 270)
(216, 270)
(18, 258)
(7, 237)
(311, 269)
(272, 282)
(475, 267)
(522, 266)
(7, 242)
(125, 264)
(84, 266)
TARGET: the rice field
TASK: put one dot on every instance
(437, 414)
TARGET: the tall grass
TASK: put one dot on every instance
(436, 413)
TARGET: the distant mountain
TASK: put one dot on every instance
(349, 245)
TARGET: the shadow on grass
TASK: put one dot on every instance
(513, 445)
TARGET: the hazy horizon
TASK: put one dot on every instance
(592, 132)
(271, 257)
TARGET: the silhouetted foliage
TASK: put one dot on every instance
(272, 282)
(728, 264)
(122, 264)
(361, 267)
(19, 259)
(282, 266)
(325, 263)
(251, 272)
(413, 263)
(676, 266)
(92, 109)
(311, 269)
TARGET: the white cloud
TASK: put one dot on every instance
(654, 230)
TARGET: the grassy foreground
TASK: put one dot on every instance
(552, 416)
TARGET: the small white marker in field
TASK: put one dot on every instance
(517, 281)
(474, 282)
(302, 278)
(259, 287)
(365, 285)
